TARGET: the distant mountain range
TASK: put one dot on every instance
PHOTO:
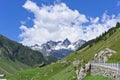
(58, 49)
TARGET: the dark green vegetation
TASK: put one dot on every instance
(63, 69)
(50, 59)
(15, 56)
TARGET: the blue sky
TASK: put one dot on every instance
(13, 14)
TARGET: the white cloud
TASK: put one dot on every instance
(57, 22)
(97, 28)
(96, 20)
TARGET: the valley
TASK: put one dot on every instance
(63, 69)
(60, 40)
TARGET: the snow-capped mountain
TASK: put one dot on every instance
(58, 49)
(74, 46)
(66, 42)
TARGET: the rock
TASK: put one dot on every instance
(87, 67)
(76, 63)
(81, 75)
(103, 55)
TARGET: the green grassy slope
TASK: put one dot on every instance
(62, 72)
(87, 53)
(96, 77)
(8, 67)
(56, 71)
(15, 57)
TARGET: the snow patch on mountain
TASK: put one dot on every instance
(59, 48)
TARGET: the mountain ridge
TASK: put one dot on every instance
(58, 49)
(17, 52)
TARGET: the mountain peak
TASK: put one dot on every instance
(66, 42)
(59, 48)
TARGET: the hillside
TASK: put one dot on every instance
(14, 56)
(7, 66)
(64, 70)
(109, 39)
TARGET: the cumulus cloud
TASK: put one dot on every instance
(98, 27)
(58, 21)
(94, 20)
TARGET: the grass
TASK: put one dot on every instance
(60, 71)
(7, 66)
(97, 77)
(66, 74)
(56, 71)
(86, 54)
